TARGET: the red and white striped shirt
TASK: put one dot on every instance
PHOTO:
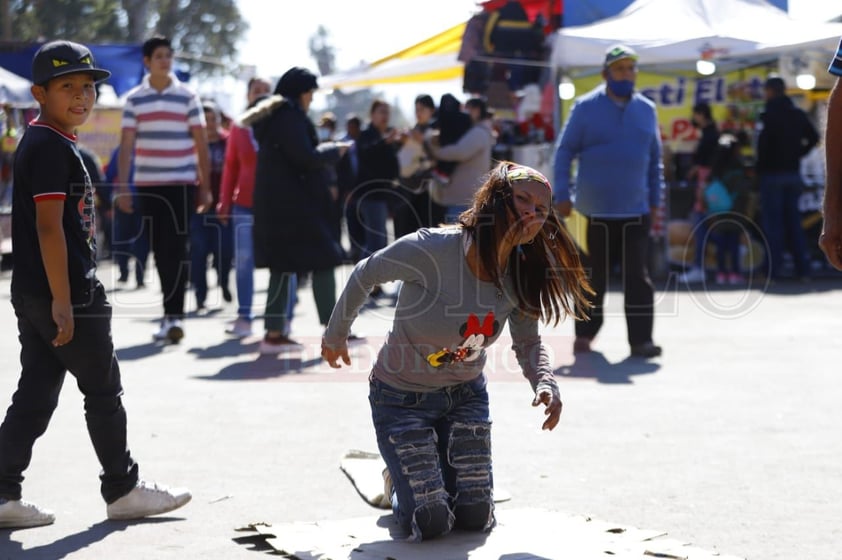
(164, 122)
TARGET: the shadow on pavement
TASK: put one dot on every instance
(398, 547)
(264, 367)
(595, 365)
(256, 543)
(395, 531)
(140, 351)
(225, 349)
(70, 544)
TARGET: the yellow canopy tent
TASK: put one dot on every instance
(431, 60)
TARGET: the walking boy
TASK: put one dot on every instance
(64, 319)
(164, 126)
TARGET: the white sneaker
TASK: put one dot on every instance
(20, 514)
(692, 276)
(240, 328)
(171, 329)
(145, 499)
(278, 345)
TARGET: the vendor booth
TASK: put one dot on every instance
(744, 40)
(674, 34)
(741, 42)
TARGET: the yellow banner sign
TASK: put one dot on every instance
(735, 99)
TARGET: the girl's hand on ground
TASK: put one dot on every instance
(551, 399)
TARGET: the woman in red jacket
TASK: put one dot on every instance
(235, 200)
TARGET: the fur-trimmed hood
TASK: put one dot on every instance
(263, 109)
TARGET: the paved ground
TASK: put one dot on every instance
(730, 441)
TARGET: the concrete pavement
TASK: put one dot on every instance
(730, 441)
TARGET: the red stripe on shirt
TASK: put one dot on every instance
(161, 116)
(165, 153)
(49, 196)
(71, 137)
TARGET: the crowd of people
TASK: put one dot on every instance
(182, 180)
(476, 246)
(723, 181)
(234, 218)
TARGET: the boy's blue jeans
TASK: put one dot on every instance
(242, 219)
(129, 240)
(89, 356)
(781, 217)
(437, 446)
(209, 236)
(373, 214)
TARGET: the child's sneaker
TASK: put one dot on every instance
(18, 514)
(694, 275)
(240, 328)
(721, 279)
(171, 329)
(145, 499)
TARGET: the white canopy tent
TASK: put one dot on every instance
(678, 32)
(13, 88)
(669, 34)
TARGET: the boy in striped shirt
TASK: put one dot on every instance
(164, 127)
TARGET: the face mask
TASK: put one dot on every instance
(324, 134)
(620, 88)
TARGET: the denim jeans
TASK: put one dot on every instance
(701, 225)
(781, 218)
(89, 356)
(437, 446)
(242, 220)
(209, 236)
(373, 215)
(727, 250)
(356, 230)
(129, 240)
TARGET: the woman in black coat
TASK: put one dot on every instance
(292, 231)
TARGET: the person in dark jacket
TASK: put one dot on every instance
(292, 231)
(346, 175)
(786, 135)
(378, 174)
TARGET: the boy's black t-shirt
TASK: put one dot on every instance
(48, 166)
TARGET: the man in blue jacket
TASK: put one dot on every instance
(613, 133)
